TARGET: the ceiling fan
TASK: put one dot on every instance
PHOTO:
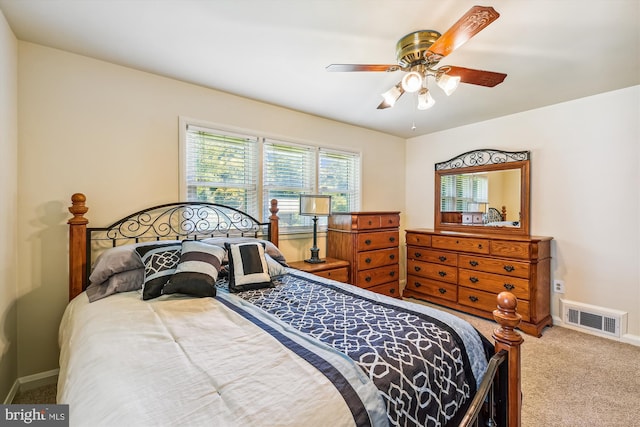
(419, 53)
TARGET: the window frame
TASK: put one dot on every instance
(262, 209)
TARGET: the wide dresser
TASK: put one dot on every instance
(466, 271)
(370, 242)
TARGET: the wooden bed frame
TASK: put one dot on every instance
(499, 395)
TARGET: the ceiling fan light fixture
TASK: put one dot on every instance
(425, 100)
(447, 83)
(391, 96)
(412, 81)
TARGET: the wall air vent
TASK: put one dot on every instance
(597, 319)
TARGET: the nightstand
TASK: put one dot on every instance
(336, 269)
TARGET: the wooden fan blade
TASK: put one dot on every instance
(470, 24)
(476, 77)
(362, 67)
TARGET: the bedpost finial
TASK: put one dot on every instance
(78, 209)
(507, 318)
(274, 207)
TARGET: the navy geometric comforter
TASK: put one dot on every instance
(420, 365)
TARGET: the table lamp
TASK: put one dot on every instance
(315, 205)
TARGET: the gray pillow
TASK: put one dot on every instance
(125, 281)
(116, 260)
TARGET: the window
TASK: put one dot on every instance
(247, 171)
(459, 191)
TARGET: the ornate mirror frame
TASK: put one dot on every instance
(485, 160)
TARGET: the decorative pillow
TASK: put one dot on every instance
(160, 262)
(118, 259)
(247, 267)
(275, 268)
(130, 280)
(197, 271)
(270, 248)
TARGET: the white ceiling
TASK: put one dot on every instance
(276, 51)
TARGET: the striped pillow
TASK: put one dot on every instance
(197, 271)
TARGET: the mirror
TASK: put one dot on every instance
(483, 191)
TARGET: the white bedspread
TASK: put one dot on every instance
(179, 361)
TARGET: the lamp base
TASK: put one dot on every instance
(315, 259)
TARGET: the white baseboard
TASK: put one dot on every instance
(12, 393)
(30, 382)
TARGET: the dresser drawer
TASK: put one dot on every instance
(430, 270)
(486, 301)
(376, 276)
(369, 222)
(428, 255)
(377, 258)
(511, 249)
(463, 244)
(417, 239)
(339, 274)
(378, 240)
(493, 265)
(495, 283)
(432, 288)
(390, 289)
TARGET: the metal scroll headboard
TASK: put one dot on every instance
(175, 221)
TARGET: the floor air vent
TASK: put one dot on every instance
(593, 318)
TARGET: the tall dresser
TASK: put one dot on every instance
(466, 271)
(370, 242)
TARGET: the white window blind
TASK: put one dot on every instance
(458, 191)
(339, 177)
(221, 167)
(288, 171)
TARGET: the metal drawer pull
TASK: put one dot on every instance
(367, 242)
(509, 268)
(417, 254)
(480, 246)
(418, 284)
(368, 260)
(416, 268)
(442, 258)
(392, 291)
(442, 273)
(367, 279)
(473, 299)
(474, 279)
(392, 273)
(473, 263)
(392, 256)
(392, 239)
(508, 286)
(370, 222)
(442, 290)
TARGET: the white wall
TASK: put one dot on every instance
(8, 212)
(112, 133)
(584, 190)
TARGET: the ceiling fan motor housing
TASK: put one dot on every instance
(411, 49)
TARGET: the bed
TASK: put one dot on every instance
(187, 314)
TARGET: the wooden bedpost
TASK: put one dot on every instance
(273, 221)
(506, 338)
(77, 245)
